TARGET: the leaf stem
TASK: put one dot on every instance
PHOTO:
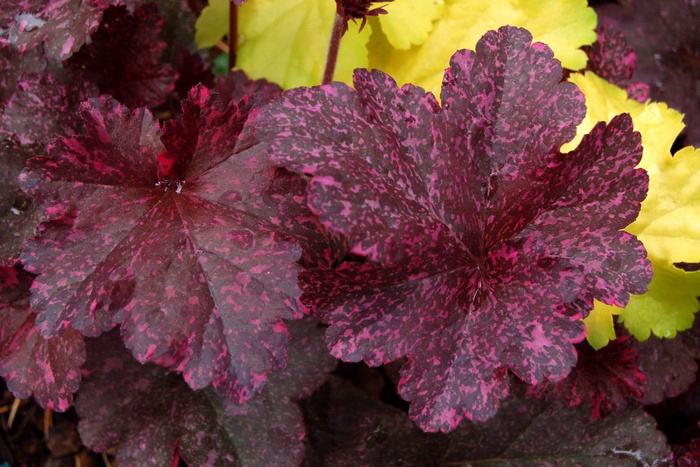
(334, 46)
(232, 35)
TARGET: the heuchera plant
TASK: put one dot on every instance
(185, 257)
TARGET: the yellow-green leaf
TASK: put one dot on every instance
(287, 42)
(409, 22)
(599, 323)
(668, 223)
(669, 305)
(212, 24)
(658, 124)
(564, 25)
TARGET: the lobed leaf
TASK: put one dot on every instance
(48, 369)
(493, 243)
(564, 26)
(528, 432)
(44, 107)
(669, 366)
(608, 379)
(665, 223)
(286, 55)
(664, 36)
(611, 59)
(152, 417)
(349, 428)
(61, 26)
(123, 57)
(18, 218)
(145, 243)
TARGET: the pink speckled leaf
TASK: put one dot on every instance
(151, 416)
(669, 365)
(607, 379)
(665, 36)
(48, 369)
(44, 107)
(610, 58)
(61, 26)
(18, 218)
(235, 85)
(146, 243)
(492, 243)
(123, 57)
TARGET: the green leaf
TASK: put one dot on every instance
(564, 25)
(287, 42)
(212, 24)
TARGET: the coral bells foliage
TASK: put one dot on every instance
(152, 235)
(483, 244)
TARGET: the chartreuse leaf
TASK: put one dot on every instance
(212, 24)
(564, 26)
(667, 224)
(287, 42)
(669, 227)
(409, 22)
(658, 124)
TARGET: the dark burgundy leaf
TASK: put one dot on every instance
(49, 369)
(13, 64)
(62, 26)
(665, 35)
(611, 58)
(530, 432)
(348, 428)
(151, 415)
(691, 458)
(44, 107)
(148, 244)
(191, 70)
(123, 57)
(236, 84)
(18, 218)
(669, 365)
(493, 243)
(607, 379)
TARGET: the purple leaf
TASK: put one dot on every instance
(235, 85)
(13, 64)
(123, 57)
(191, 70)
(610, 58)
(607, 379)
(62, 26)
(44, 107)
(151, 416)
(349, 428)
(529, 432)
(669, 365)
(494, 244)
(145, 243)
(666, 38)
(18, 218)
(49, 369)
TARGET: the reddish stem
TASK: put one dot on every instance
(232, 35)
(334, 47)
